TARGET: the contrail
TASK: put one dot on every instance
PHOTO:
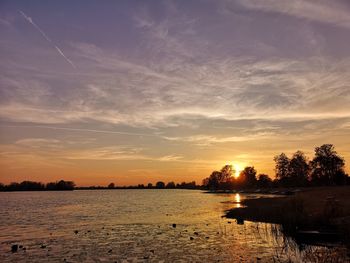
(30, 20)
(79, 130)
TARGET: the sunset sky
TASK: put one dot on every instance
(139, 91)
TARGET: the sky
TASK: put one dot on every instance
(140, 91)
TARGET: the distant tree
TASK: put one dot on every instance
(298, 169)
(227, 172)
(111, 186)
(13, 186)
(247, 177)
(160, 185)
(205, 182)
(31, 186)
(220, 179)
(170, 185)
(149, 185)
(184, 185)
(281, 166)
(61, 185)
(327, 167)
(141, 186)
(264, 181)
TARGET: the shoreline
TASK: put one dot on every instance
(319, 209)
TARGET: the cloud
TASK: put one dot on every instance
(79, 130)
(117, 153)
(129, 93)
(333, 13)
(208, 140)
(38, 143)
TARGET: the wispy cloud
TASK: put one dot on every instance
(30, 20)
(79, 130)
(330, 12)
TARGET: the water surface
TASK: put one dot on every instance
(132, 226)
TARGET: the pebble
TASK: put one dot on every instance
(76, 231)
(174, 225)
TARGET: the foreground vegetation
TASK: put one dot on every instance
(325, 209)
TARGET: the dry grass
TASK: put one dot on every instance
(316, 208)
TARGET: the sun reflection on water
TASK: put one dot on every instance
(238, 200)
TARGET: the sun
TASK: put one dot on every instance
(238, 169)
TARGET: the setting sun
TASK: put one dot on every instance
(238, 169)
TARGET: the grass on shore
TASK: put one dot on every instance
(321, 208)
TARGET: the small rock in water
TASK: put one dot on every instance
(229, 222)
(14, 248)
(207, 237)
(76, 231)
(240, 221)
(152, 251)
(110, 251)
(191, 238)
(42, 246)
(174, 225)
(258, 258)
(20, 246)
(196, 233)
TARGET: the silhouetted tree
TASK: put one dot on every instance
(111, 186)
(298, 169)
(327, 166)
(32, 186)
(264, 181)
(214, 180)
(37, 186)
(150, 185)
(170, 185)
(61, 185)
(220, 179)
(160, 185)
(184, 185)
(282, 166)
(247, 177)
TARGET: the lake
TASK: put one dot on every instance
(134, 226)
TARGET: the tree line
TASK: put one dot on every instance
(158, 185)
(37, 186)
(326, 168)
